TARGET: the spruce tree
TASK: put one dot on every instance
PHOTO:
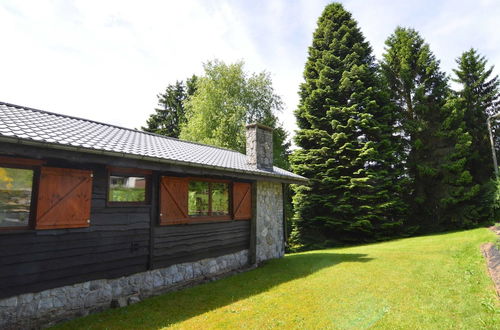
(437, 143)
(457, 205)
(347, 146)
(171, 114)
(478, 98)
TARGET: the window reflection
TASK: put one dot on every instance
(220, 199)
(127, 188)
(208, 199)
(15, 196)
(198, 198)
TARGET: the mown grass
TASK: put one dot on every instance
(430, 282)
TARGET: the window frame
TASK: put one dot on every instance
(26, 164)
(209, 217)
(129, 172)
(168, 200)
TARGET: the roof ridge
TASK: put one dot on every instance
(116, 126)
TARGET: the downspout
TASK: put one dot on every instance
(153, 216)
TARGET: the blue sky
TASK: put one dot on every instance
(107, 60)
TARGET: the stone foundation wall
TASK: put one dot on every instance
(33, 310)
(269, 221)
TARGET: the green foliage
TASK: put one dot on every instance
(348, 146)
(167, 119)
(126, 194)
(220, 198)
(200, 203)
(460, 202)
(227, 99)
(478, 98)
(198, 198)
(437, 143)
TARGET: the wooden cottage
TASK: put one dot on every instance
(93, 215)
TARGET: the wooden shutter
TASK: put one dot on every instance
(173, 200)
(64, 198)
(242, 201)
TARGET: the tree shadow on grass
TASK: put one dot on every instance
(175, 307)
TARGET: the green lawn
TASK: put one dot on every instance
(430, 282)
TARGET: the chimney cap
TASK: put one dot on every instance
(264, 127)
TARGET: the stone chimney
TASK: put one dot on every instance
(260, 146)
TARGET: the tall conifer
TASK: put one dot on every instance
(437, 142)
(478, 98)
(347, 146)
(171, 114)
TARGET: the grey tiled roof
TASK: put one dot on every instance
(21, 124)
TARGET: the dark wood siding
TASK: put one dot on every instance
(183, 243)
(115, 244)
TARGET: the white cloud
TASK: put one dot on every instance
(107, 60)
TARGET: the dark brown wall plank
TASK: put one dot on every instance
(185, 243)
(35, 260)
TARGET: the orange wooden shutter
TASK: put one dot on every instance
(173, 200)
(64, 198)
(242, 201)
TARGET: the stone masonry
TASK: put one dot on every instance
(269, 221)
(259, 140)
(34, 310)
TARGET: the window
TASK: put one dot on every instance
(220, 198)
(16, 187)
(193, 200)
(198, 201)
(41, 197)
(208, 199)
(128, 186)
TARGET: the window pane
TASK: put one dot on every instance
(127, 188)
(15, 196)
(220, 199)
(198, 198)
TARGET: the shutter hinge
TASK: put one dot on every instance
(91, 175)
(88, 220)
(161, 214)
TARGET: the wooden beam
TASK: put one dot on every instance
(20, 161)
(153, 217)
(128, 170)
(252, 252)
